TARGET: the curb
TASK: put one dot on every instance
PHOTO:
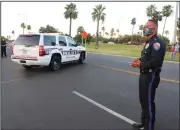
(174, 62)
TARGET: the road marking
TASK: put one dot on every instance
(105, 108)
(136, 73)
(13, 80)
(98, 53)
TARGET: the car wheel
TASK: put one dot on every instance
(55, 63)
(82, 58)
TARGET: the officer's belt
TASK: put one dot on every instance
(146, 71)
(155, 71)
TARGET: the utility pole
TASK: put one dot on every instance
(175, 26)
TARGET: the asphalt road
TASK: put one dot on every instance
(68, 98)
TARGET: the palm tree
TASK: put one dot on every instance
(133, 22)
(151, 12)
(166, 12)
(166, 32)
(70, 13)
(29, 28)
(98, 15)
(118, 34)
(117, 31)
(112, 32)
(103, 29)
(141, 29)
(23, 26)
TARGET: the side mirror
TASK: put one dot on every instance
(75, 45)
(53, 43)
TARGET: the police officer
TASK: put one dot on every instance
(3, 47)
(150, 63)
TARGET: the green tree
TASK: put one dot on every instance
(80, 29)
(152, 13)
(70, 13)
(141, 28)
(98, 15)
(48, 29)
(166, 12)
(133, 22)
(23, 26)
(106, 33)
(29, 28)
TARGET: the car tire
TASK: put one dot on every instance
(55, 63)
(27, 66)
(82, 58)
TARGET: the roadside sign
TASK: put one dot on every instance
(84, 34)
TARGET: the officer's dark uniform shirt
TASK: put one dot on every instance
(3, 42)
(152, 55)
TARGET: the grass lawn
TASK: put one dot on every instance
(122, 49)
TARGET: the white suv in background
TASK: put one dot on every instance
(46, 49)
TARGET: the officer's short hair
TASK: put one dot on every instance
(152, 20)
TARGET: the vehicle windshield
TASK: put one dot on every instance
(28, 40)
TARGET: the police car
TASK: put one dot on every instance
(45, 49)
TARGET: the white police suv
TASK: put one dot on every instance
(46, 49)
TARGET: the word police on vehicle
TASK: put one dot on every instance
(46, 49)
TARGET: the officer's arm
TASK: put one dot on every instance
(156, 57)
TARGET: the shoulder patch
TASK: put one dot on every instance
(156, 46)
(147, 45)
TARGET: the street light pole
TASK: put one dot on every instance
(175, 26)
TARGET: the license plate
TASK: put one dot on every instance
(24, 51)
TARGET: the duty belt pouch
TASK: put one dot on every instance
(157, 71)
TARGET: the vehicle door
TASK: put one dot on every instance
(63, 47)
(73, 48)
(50, 44)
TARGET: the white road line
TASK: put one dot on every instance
(105, 108)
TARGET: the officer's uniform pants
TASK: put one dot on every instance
(3, 51)
(148, 83)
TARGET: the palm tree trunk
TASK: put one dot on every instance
(23, 30)
(132, 34)
(97, 35)
(164, 26)
(70, 26)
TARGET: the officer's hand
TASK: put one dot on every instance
(135, 63)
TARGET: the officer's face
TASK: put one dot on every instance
(145, 31)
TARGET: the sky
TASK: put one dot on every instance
(118, 16)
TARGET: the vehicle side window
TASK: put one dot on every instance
(49, 40)
(70, 42)
(62, 41)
